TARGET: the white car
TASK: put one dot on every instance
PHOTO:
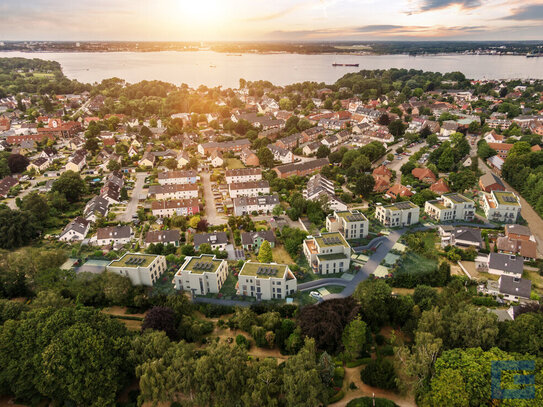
(315, 294)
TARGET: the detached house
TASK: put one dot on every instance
(162, 236)
(399, 214)
(141, 269)
(450, 207)
(351, 224)
(77, 162)
(75, 231)
(253, 240)
(501, 206)
(217, 240)
(114, 236)
(97, 206)
(424, 175)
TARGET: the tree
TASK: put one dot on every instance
(17, 228)
(160, 319)
(354, 337)
(449, 389)
(263, 385)
(379, 373)
(397, 128)
(70, 185)
(446, 160)
(265, 254)
(323, 151)
(193, 222)
(205, 248)
(113, 165)
(170, 163)
(37, 205)
(17, 163)
(265, 156)
(374, 297)
(384, 119)
(364, 185)
(277, 210)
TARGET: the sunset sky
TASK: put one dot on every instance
(307, 20)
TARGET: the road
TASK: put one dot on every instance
(527, 212)
(132, 206)
(212, 217)
(11, 201)
(395, 165)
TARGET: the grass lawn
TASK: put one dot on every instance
(302, 298)
(281, 256)
(415, 263)
(537, 280)
(43, 75)
(228, 289)
(334, 289)
(234, 163)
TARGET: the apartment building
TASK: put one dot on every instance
(243, 175)
(175, 207)
(178, 177)
(175, 191)
(251, 188)
(328, 253)
(501, 206)
(351, 224)
(450, 207)
(201, 275)
(141, 269)
(266, 281)
(244, 205)
(398, 214)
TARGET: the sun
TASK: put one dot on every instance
(199, 12)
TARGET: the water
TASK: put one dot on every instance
(217, 69)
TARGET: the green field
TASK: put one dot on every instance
(415, 263)
(234, 163)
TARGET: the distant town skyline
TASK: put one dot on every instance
(259, 20)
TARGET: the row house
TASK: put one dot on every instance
(313, 133)
(301, 169)
(175, 207)
(281, 154)
(251, 188)
(249, 158)
(97, 207)
(260, 204)
(232, 146)
(290, 142)
(320, 188)
(178, 177)
(176, 191)
(243, 175)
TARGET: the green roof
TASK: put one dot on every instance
(331, 239)
(351, 216)
(205, 263)
(437, 203)
(506, 198)
(133, 260)
(332, 256)
(457, 198)
(398, 206)
(263, 270)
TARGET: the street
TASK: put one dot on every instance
(10, 202)
(132, 206)
(212, 217)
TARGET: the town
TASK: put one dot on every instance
(391, 192)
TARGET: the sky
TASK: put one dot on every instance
(270, 20)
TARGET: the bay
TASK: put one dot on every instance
(218, 69)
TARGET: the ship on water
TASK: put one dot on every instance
(336, 64)
(534, 55)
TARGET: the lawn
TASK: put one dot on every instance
(234, 163)
(415, 263)
(43, 75)
(537, 280)
(334, 289)
(228, 289)
(281, 256)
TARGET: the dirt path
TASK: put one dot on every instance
(353, 375)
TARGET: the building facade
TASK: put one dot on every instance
(328, 253)
(141, 269)
(266, 281)
(399, 214)
(201, 275)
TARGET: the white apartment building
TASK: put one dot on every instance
(450, 207)
(351, 224)
(141, 269)
(246, 205)
(243, 175)
(398, 214)
(201, 275)
(178, 177)
(266, 281)
(328, 253)
(501, 206)
(176, 191)
(251, 188)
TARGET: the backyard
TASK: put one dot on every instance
(234, 163)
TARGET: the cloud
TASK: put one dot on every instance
(529, 12)
(430, 5)
(278, 14)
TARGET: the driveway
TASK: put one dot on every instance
(11, 201)
(213, 218)
(137, 192)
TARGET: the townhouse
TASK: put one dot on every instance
(178, 177)
(266, 281)
(233, 146)
(450, 207)
(175, 207)
(351, 224)
(201, 275)
(217, 240)
(174, 191)
(162, 236)
(398, 214)
(501, 206)
(249, 158)
(113, 235)
(243, 175)
(141, 269)
(281, 154)
(98, 206)
(251, 188)
(301, 169)
(328, 253)
(290, 142)
(244, 205)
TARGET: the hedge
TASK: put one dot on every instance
(338, 396)
(358, 362)
(368, 402)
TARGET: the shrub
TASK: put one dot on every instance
(379, 339)
(358, 362)
(338, 396)
(379, 373)
(368, 402)
(484, 301)
(386, 350)
(339, 372)
(242, 341)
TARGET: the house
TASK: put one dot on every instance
(450, 207)
(148, 160)
(201, 275)
(114, 235)
(77, 162)
(175, 207)
(251, 188)
(301, 169)
(260, 204)
(174, 191)
(447, 129)
(399, 214)
(424, 175)
(398, 190)
(6, 184)
(524, 248)
(493, 137)
(290, 142)
(440, 187)
(313, 133)
(320, 188)
(501, 206)
(266, 281)
(141, 269)
(514, 288)
(460, 237)
(249, 158)
(232, 146)
(75, 231)
(352, 224)
(163, 236)
(217, 240)
(216, 159)
(280, 154)
(502, 149)
(182, 158)
(243, 175)
(178, 177)
(132, 151)
(519, 232)
(328, 253)
(96, 207)
(382, 176)
(501, 264)
(253, 240)
(40, 164)
(311, 148)
(490, 182)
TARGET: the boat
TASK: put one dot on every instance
(531, 55)
(351, 64)
(336, 64)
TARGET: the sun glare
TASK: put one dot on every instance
(199, 11)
